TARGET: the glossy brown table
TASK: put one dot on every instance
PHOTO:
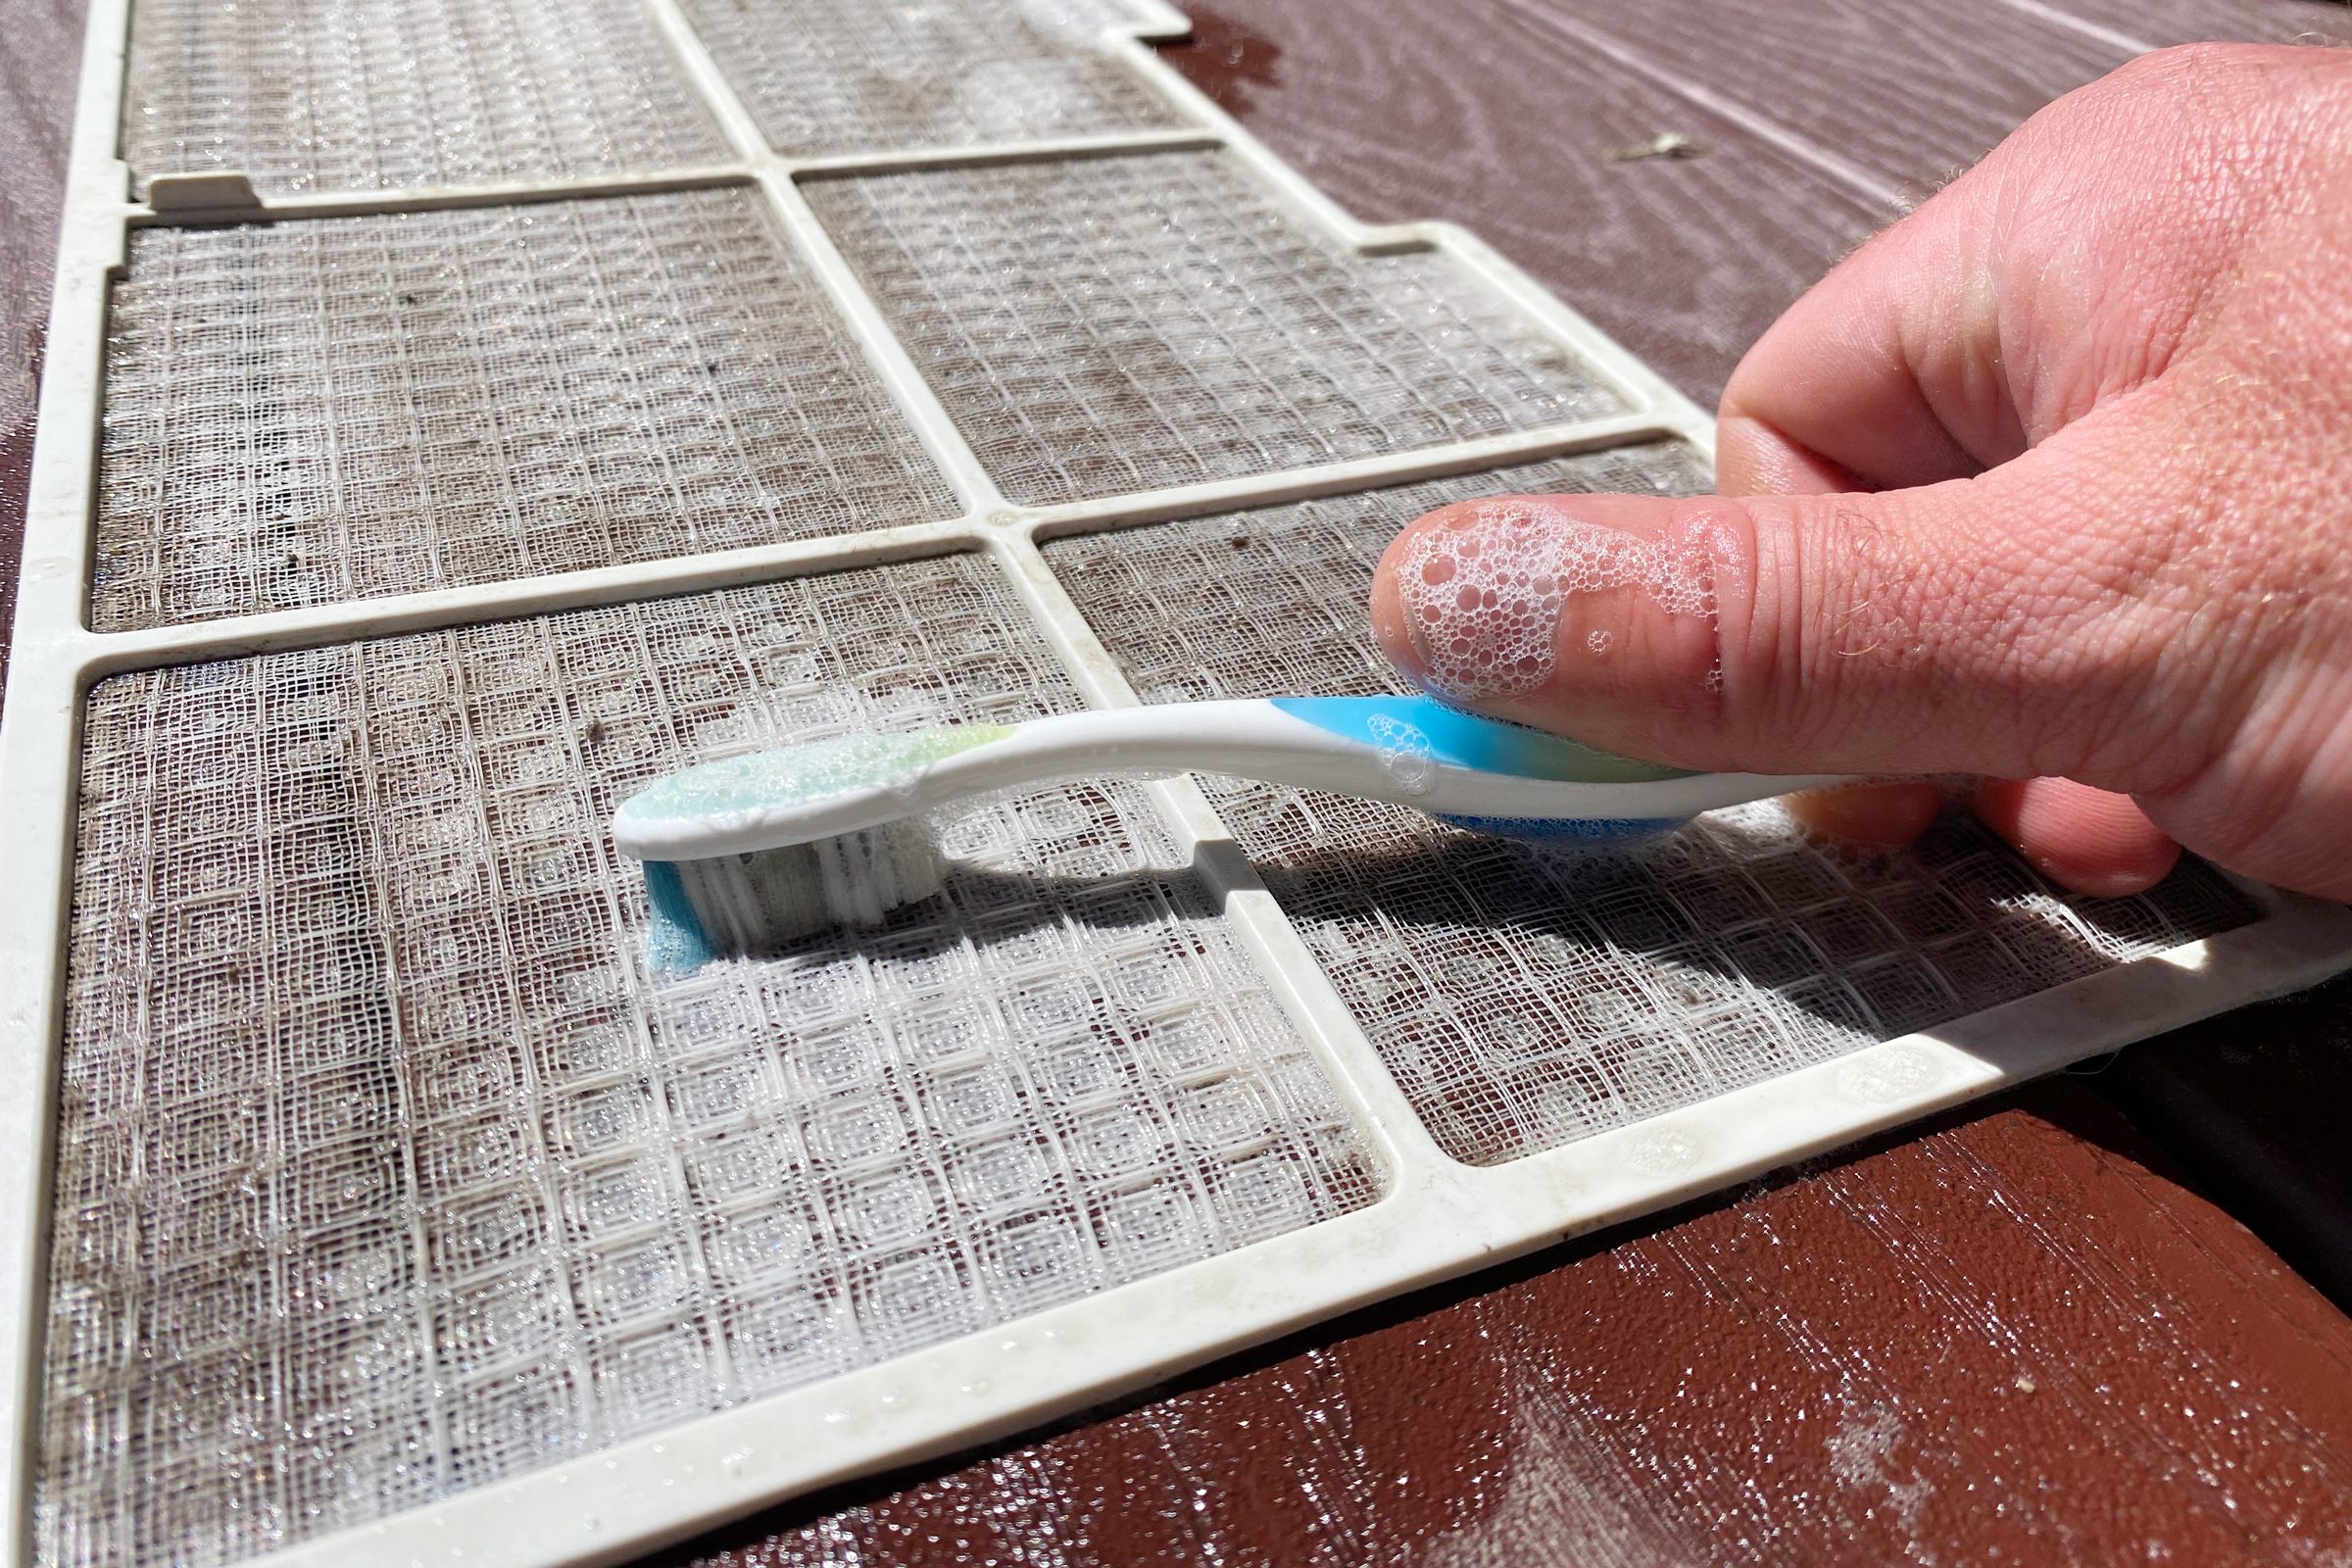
(2023, 1334)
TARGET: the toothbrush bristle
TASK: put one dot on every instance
(865, 876)
(674, 940)
(731, 904)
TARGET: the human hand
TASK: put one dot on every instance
(2052, 482)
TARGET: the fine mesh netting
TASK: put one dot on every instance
(1524, 994)
(848, 75)
(384, 1171)
(303, 413)
(1278, 595)
(322, 95)
(1133, 323)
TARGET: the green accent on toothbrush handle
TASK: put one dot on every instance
(813, 770)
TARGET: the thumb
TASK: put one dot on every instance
(1998, 624)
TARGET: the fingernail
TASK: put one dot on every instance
(2091, 841)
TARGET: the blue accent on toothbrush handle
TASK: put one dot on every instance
(1468, 740)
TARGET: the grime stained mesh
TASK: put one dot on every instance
(303, 413)
(1133, 323)
(847, 76)
(325, 95)
(374, 1127)
(1526, 995)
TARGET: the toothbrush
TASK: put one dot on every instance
(752, 851)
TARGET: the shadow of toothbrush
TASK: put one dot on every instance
(996, 909)
(1831, 951)
(1582, 912)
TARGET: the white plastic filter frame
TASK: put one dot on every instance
(1439, 1219)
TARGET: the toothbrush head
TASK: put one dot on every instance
(719, 883)
(791, 795)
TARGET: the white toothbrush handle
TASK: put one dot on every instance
(1253, 739)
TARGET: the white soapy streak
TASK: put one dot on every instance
(2098, 32)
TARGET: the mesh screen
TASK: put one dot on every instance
(1127, 323)
(373, 1126)
(307, 95)
(848, 75)
(1525, 996)
(309, 411)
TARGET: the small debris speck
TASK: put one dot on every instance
(1665, 144)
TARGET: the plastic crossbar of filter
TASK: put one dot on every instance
(1440, 1219)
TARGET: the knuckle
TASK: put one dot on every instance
(2202, 67)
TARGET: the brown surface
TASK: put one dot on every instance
(2010, 1340)
(1400, 111)
(1907, 92)
(2254, 1106)
(37, 71)
(2167, 21)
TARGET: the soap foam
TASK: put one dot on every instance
(1406, 755)
(1486, 596)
